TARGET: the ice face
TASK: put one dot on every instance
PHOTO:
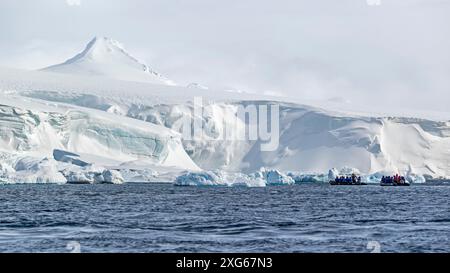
(16, 126)
(64, 133)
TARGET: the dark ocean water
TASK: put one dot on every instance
(164, 218)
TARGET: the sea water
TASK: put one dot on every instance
(165, 218)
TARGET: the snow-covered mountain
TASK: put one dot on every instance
(54, 124)
(108, 58)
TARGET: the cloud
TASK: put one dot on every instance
(395, 52)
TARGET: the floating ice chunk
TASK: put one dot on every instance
(74, 177)
(415, 178)
(240, 179)
(112, 177)
(33, 170)
(207, 178)
(92, 175)
(308, 178)
(275, 177)
(219, 178)
(374, 178)
(332, 174)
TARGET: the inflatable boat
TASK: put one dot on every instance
(394, 184)
(334, 183)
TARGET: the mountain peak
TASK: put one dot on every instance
(107, 57)
(103, 45)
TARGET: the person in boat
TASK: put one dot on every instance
(397, 179)
(353, 178)
(359, 179)
(348, 179)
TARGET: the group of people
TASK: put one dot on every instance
(348, 179)
(397, 179)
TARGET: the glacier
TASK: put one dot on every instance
(312, 140)
(74, 123)
(40, 142)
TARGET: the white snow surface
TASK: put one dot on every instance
(133, 127)
(107, 57)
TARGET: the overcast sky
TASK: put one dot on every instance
(312, 49)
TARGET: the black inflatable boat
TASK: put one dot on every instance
(334, 183)
(384, 184)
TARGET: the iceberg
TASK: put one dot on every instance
(275, 177)
(415, 178)
(92, 176)
(332, 174)
(112, 177)
(308, 178)
(199, 179)
(27, 169)
(219, 178)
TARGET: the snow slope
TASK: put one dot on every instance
(133, 126)
(107, 57)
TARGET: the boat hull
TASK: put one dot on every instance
(394, 185)
(334, 183)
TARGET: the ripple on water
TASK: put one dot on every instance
(163, 218)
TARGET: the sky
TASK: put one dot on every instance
(390, 52)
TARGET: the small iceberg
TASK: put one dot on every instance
(27, 170)
(219, 178)
(94, 177)
(275, 177)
